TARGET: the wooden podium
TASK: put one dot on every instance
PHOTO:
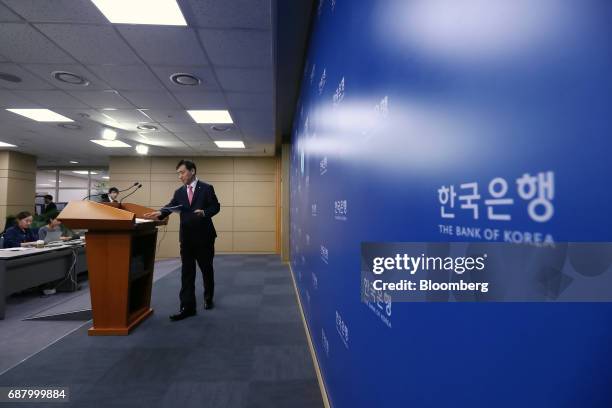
(120, 259)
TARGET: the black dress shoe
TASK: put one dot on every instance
(209, 305)
(183, 314)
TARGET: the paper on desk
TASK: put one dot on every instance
(141, 220)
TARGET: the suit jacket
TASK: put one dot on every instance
(194, 227)
(49, 207)
(15, 236)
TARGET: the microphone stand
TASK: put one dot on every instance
(137, 187)
(120, 191)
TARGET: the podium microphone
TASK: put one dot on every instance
(121, 191)
(135, 190)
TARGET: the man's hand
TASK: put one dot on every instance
(154, 215)
(199, 212)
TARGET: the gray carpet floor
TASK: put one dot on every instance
(250, 351)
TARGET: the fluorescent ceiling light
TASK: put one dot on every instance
(41, 115)
(142, 149)
(210, 116)
(83, 172)
(74, 162)
(230, 144)
(106, 177)
(109, 134)
(157, 12)
(3, 144)
(110, 143)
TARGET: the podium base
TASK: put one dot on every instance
(120, 331)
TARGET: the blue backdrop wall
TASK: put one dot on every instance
(476, 114)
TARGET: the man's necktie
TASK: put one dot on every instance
(190, 194)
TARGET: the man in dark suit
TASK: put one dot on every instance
(49, 205)
(197, 203)
(111, 196)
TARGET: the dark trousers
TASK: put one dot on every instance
(203, 253)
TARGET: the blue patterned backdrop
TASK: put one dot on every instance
(480, 115)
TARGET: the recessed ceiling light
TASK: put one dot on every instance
(142, 149)
(221, 128)
(109, 134)
(146, 127)
(69, 78)
(71, 126)
(5, 76)
(110, 143)
(230, 144)
(210, 116)
(74, 162)
(41, 115)
(157, 12)
(3, 144)
(182, 78)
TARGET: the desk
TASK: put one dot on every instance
(20, 270)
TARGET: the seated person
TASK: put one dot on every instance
(113, 192)
(49, 205)
(53, 230)
(20, 234)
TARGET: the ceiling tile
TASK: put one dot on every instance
(22, 43)
(201, 100)
(182, 127)
(202, 144)
(193, 136)
(170, 116)
(205, 74)
(52, 99)
(238, 48)
(45, 71)
(127, 77)
(231, 14)
(255, 122)
(151, 99)
(102, 99)
(165, 45)
(90, 44)
(239, 100)
(159, 139)
(126, 115)
(28, 80)
(7, 15)
(57, 11)
(10, 99)
(245, 80)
